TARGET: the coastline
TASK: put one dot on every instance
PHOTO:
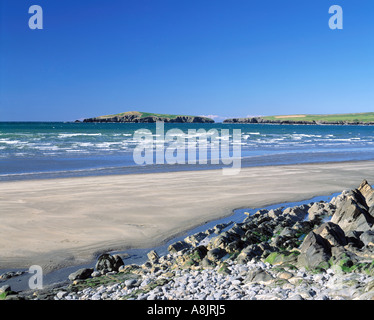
(68, 221)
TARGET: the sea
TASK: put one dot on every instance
(43, 150)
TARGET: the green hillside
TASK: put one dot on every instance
(143, 115)
(350, 117)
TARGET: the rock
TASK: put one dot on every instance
(353, 238)
(297, 213)
(11, 274)
(259, 276)
(95, 274)
(280, 258)
(196, 238)
(367, 238)
(332, 233)
(108, 263)
(315, 251)
(317, 211)
(224, 269)
(199, 253)
(61, 294)
(153, 256)
(288, 232)
(352, 213)
(5, 288)
(275, 213)
(178, 246)
(248, 253)
(216, 254)
(367, 192)
(81, 274)
(285, 275)
(131, 283)
(207, 264)
(295, 297)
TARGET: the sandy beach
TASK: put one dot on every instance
(61, 222)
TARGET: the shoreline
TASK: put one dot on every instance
(288, 251)
(159, 229)
(47, 175)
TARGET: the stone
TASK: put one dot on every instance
(295, 297)
(96, 274)
(153, 256)
(275, 213)
(332, 233)
(315, 251)
(352, 213)
(248, 253)
(367, 192)
(5, 288)
(259, 276)
(81, 274)
(61, 294)
(216, 254)
(317, 211)
(367, 238)
(199, 253)
(178, 246)
(131, 283)
(108, 263)
(207, 264)
(297, 213)
(285, 275)
(196, 238)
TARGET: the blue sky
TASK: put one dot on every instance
(201, 57)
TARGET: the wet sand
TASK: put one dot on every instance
(61, 222)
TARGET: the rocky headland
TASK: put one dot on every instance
(319, 251)
(142, 117)
(294, 121)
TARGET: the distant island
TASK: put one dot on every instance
(146, 117)
(366, 118)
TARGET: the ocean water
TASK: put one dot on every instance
(35, 150)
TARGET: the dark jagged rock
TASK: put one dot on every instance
(332, 233)
(352, 212)
(315, 251)
(108, 263)
(367, 238)
(81, 274)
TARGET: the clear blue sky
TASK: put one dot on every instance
(199, 57)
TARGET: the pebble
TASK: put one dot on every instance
(208, 284)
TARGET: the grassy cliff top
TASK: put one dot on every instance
(143, 115)
(351, 117)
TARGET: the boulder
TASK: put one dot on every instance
(258, 276)
(275, 213)
(81, 274)
(195, 239)
(153, 256)
(315, 251)
(248, 253)
(216, 254)
(108, 263)
(352, 213)
(296, 213)
(367, 192)
(332, 233)
(367, 238)
(319, 210)
(178, 246)
(199, 253)
(5, 288)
